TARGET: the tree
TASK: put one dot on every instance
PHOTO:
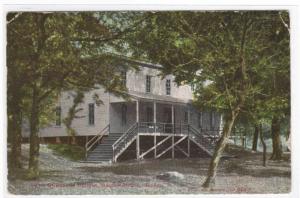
(218, 52)
(255, 138)
(261, 136)
(52, 52)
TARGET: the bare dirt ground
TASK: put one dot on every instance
(242, 174)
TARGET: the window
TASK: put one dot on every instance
(148, 83)
(124, 112)
(200, 120)
(168, 87)
(58, 116)
(124, 78)
(91, 114)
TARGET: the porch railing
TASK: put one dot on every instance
(124, 140)
(91, 143)
(159, 127)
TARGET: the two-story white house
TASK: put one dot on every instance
(158, 107)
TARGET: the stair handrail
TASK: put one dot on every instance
(201, 134)
(95, 139)
(124, 134)
(123, 137)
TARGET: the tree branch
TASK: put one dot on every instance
(284, 23)
(14, 18)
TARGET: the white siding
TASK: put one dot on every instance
(136, 81)
(81, 125)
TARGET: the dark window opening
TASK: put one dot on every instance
(168, 87)
(58, 116)
(91, 114)
(148, 83)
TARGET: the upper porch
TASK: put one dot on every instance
(158, 113)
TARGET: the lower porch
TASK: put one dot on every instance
(148, 113)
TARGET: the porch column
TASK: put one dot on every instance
(137, 111)
(155, 146)
(172, 118)
(189, 116)
(137, 147)
(154, 115)
(189, 146)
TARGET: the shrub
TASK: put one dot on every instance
(72, 152)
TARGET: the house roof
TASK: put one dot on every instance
(144, 64)
(136, 62)
(154, 97)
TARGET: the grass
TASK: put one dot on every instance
(72, 152)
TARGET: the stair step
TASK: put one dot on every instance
(101, 153)
(98, 156)
(103, 150)
(99, 159)
(108, 142)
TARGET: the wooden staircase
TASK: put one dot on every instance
(103, 151)
(112, 146)
(203, 140)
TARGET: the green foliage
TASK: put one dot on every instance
(232, 58)
(78, 99)
(72, 152)
(51, 52)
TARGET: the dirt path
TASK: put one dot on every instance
(242, 174)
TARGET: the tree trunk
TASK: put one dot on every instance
(255, 138)
(33, 169)
(261, 135)
(221, 144)
(16, 134)
(276, 142)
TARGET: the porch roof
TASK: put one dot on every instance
(160, 98)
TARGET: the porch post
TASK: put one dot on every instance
(137, 111)
(155, 146)
(154, 115)
(173, 151)
(138, 147)
(189, 115)
(172, 118)
(189, 146)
